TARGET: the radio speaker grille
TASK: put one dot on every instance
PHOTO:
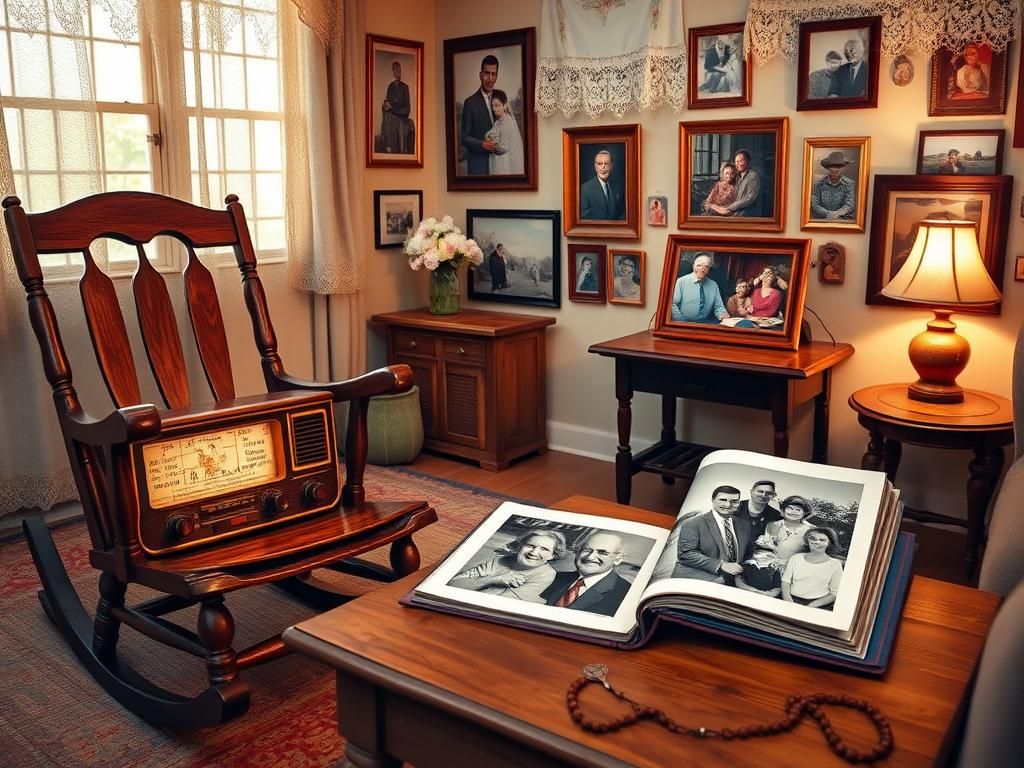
(310, 439)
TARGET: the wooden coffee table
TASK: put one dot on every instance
(446, 691)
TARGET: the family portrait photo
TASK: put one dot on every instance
(838, 63)
(835, 183)
(953, 153)
(739, 290)
(601, 181)
(733, 169)
(396, 212)
(491, 125)
(627, 273)
(776, 533)
(970, 81)
(522, 252)
(394, 100)
(719, 75)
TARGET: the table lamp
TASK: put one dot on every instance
(945, 268)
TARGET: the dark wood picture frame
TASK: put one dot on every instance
(593, 292)
(721, 71)
(586, 212)
(463, 57)
(532, 243)
(901, 200)
(635, 293)
(736, 258)
(393, 140)
(977, 163)
(388, 232)
(705, 147)
(815, 203)
(953, 93)
(1018, 115)
(817, 88)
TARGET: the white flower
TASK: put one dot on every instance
(435, 242)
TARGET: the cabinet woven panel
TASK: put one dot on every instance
(462, 405)
(423, 375)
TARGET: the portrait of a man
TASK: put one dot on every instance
(395, 111)
(838, 64)
(602, 187)
(834, 190)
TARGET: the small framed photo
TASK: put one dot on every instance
(723, 77)
(395, 213)
(957, 153)
(732, 174)
(733, 290)
(902, 202)
(1018, 269)
(627, 276)
(971, 81)
(835, 188)
(837, 66)
(657, 211)
(586, 273)
(491, 127)
(394, 102)
(522, 257)
(601, 181)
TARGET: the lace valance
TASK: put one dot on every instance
(908, 26)
(610, 55)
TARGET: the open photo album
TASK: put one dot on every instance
(800, 557)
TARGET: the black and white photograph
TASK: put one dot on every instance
(491, 124)
(587, 273)
(778, 534)
(719, 74)
(522, 251)
(395, 213)
(954, 153)
(838, 63)
(835, 183)
(394, 102)
(627, 275)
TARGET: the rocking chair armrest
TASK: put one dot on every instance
(390, 380)
(129, 424)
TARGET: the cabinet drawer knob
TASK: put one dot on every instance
(462, 350)
(412, 345)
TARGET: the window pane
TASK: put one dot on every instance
(241, 184)
(12, 121)
(236, 145)
(134, 182)
(42, 154)
(263, 85)
(31, 65)
(118, 72)
(42, 193)
(74, 186)
(118, 251)
(124, 142)
(270, 234)
(269, 194)
(77, 136)
(5, 67)
(268, 145)
(128, 20)
(232, 83)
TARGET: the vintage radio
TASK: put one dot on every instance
(250, 463)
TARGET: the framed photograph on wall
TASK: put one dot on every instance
(837, 65)
(961, 153)
(627, 275)
(394, 102)
(722, 78)
(971, 81)
(395, 213)
(733, 290)
(491, 128)
(586, 273)
(657, 211)
(835, 188)
(601, 181)
(522, 257)
(902, 202)
(732, 174)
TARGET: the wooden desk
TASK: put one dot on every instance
(766, 379)
(982, 423)
(451, 692)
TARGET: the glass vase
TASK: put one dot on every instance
(444, 291)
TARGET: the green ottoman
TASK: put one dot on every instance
(394, 428)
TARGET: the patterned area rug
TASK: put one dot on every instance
(54, 714)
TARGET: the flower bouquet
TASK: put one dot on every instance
(441, 248)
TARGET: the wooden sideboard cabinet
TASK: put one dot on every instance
(482, 379)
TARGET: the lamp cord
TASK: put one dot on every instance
(808, 309)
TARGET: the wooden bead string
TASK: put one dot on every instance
(797, 707)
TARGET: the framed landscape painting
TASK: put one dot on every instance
(902, 202)
(733, 290)
(961, 153)
(395, 213)
(522, 257)
(394, 102)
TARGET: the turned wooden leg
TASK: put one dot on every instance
(105, 626)
(892, 452)
(404, 556)
(985, 468)
(819, 450)
(872, 458)
(624, 419)
(353, 494)
(216, 630)
(668, 428)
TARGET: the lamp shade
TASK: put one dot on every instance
(944, 267)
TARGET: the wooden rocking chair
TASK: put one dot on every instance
(194, 501)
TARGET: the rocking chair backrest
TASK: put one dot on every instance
(134, 218)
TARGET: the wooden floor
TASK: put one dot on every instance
(555, 475)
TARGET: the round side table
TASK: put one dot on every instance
(983, 423)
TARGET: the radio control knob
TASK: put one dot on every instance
(180, 526)
(315, 494)
(275, 503)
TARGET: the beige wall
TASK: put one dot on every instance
(580, 387)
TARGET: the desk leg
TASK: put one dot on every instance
(782, 415)
(361, 721)
(819, 450)
(668, 428)
(623, 455)
(985, 468)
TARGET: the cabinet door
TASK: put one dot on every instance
(462, 403)
(424, 372)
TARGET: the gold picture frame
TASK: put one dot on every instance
(825, 204)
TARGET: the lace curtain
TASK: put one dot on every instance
(908, 26)
(617, 56)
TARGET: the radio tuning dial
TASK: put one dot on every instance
(275, 503)
(315, 494)
(180, 526)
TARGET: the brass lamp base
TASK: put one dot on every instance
(939, 355)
